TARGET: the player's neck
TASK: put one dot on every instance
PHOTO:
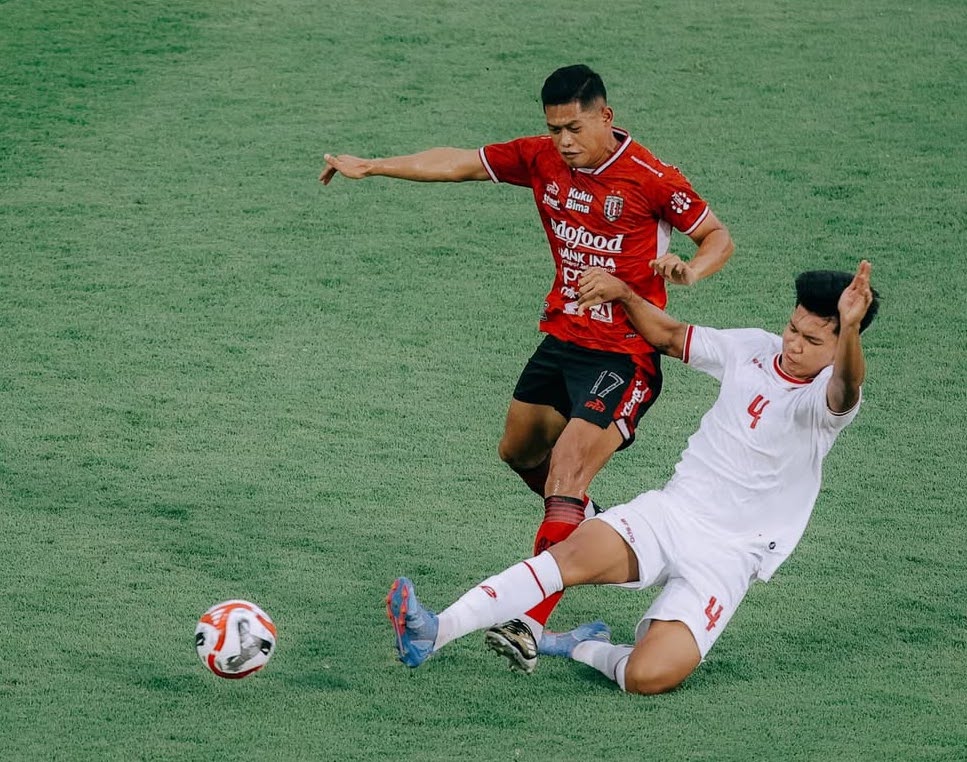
(606, 153)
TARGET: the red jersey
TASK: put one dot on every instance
(618, 216)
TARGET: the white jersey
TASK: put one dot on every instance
(752, 471)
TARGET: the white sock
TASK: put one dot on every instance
(609, 659)
(499, 598)
(536, 627)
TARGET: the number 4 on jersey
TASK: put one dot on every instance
(756, 408)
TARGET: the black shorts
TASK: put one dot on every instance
(596, 386)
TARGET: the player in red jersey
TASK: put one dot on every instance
(604, 201)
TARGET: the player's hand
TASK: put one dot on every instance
(597, 286)
(674, 270)
(856, 298)
(349, 166)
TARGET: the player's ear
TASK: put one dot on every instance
(607, 114)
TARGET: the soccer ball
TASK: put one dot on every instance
(235, 638)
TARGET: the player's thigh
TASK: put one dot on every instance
(595, 554)
(530, 432)
(709, 580)
(662, 659)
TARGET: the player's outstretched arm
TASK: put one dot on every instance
(849, 366)
(715, 246)
(661, 330)
(434, 165)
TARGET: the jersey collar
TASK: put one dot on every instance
(785, 376)
(625, 140)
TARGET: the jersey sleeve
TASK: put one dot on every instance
(820, 414)
(678, 203)
(712, 350)
(509, 162)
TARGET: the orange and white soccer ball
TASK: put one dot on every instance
(235, 638)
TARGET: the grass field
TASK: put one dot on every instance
(220, 379)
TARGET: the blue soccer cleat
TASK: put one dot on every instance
(562, 643)
(415, 626)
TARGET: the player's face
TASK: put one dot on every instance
(582, 136)
(808, 343)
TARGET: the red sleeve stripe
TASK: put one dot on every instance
(687, 349)
(490, 170)
(698, 222)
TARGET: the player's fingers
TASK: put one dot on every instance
(590, 294)
(590, 282)
(329, 171)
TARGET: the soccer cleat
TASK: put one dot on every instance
(514, 640)
(562, 643)
(416, 627)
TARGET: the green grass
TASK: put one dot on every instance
(219, 379)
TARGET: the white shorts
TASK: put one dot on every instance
(703, 579)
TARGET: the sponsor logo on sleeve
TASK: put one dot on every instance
(680, 202)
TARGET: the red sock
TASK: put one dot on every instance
(536, 477)
(561, 517)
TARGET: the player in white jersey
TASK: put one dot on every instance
(735, 508)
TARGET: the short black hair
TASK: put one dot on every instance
(819, 290)
(573, 83)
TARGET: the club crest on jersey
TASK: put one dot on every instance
(613, 206)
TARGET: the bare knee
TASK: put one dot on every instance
(518, 460)
(663, 659)
(651, 679)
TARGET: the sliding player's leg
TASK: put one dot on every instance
(703, 579)
(595, 554)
